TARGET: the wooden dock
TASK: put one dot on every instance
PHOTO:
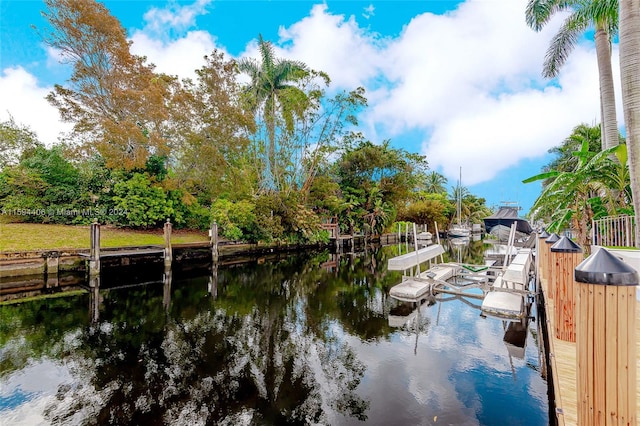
(563, 366)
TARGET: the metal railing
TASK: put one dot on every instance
(614, 231)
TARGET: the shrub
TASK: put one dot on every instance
(236, 221)
(138, 203)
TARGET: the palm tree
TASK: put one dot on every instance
(630, 73)
(271, 91)
(565, 160)
(435, 183)
(572, 196)
(601, 14)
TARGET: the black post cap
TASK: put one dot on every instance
(544, 234)
(602, 267)
(553, 238)
(566, 245)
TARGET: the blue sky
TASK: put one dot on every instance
(456, 81)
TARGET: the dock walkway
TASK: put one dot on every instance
(563, 366)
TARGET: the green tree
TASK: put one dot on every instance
(272, 91)
(116, 102)
(375, 180)
(573, 198)
(210, 131)
(564, 159)
(435, 183)
(630, 74)
(432, 209)
(15, 140)
(142, 204)
(583, 15)
(44, 182)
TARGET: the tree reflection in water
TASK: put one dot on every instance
(267, 349)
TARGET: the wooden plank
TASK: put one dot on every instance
(599, 358)
(622, 361)
(589, 383)
(582, 361)
(613, 356)
(635, 301)
(633, 334)
(550, 267)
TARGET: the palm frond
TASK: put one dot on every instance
(562, 44)
(266, 53)
(541, 176)
(539, 12)
(603, 13)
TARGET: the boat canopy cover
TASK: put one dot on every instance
(506, 216)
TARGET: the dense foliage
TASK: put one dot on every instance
(268, 160)
(583, 183)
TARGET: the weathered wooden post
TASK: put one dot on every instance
(52, 265)
(94, 250)
(566, 256)
(606, 340)
(213, 234)
(548, 267)
(53, 262)
(168, 255)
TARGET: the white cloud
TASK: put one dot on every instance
(465, 85)
(167, 42)
(369, 11)
(469, 81)
(24, 100)
(335, 45)
(174, 17)
(179, 57)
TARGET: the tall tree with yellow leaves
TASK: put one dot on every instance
(115, 100)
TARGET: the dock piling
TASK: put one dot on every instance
(94, 250)
(565, 256)
(542, 252)
(605, 340)
(548, 265)
(168, 255)
(214, 241)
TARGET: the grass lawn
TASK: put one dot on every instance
(32, 236)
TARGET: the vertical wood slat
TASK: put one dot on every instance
(565, 294)
(582, 364)
(623, 379)
(610, 341)
(590, 361)
(542, 257)
(553, 238)
(551, 262)
(632, 351)
(599, 359)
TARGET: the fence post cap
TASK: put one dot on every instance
(602, 267)
(553, 238)
(544, 234)
(566, 245)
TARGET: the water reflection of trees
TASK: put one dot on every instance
(269, 348)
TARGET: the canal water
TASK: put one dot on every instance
(306, 338)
